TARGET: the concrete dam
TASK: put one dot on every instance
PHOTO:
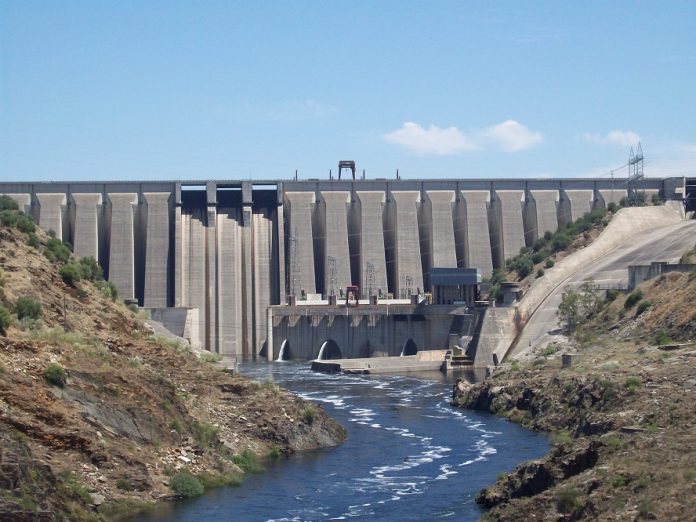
(231, 249)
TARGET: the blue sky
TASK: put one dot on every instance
(101, 90)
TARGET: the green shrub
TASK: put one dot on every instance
(614, 442)
(204, 434)
(618, 481)
(71, 273)
(28, 308)
(247, 461)
(124, 484)
(274, 453)
(642, 307)
(560, 437)
(644, 508)
(661, 338)
(550, 349)
(56, 375)
(56, 250)
(538, 257)
(611, 295)
(549, 263)
(107, 289)
(633, 299)
(8, 218)
(185, 485)
(33, 240)
(5, 319)
(524, 267)
(568, 500)
(209, 357)
(91, 269)
(632, 383)
(612, 207)
(540, 273)
(7, 203)
(25, 224)
(656, 200)
(560, 242)
(309, 414)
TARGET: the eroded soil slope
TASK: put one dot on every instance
(133, 410)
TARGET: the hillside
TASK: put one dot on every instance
(98, 417)
(621, 418)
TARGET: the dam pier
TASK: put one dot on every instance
(216, 260)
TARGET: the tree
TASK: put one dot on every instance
(578, 306)
(569, 310)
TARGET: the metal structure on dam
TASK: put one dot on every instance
(233, 248)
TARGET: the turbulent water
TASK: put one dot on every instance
(408, 456)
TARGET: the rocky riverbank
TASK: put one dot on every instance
(98, 417)
(621, 419)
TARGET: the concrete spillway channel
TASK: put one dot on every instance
(224, 251)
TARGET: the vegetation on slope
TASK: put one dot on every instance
(620, 418)
(101, 417)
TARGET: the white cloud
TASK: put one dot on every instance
(510, 136)
(434, 140)
(615, 137)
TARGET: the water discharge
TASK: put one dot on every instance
(408, 456)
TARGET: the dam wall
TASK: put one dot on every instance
(231, 249)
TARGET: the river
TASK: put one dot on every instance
(408, 455)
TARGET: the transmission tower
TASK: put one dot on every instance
(635, 172)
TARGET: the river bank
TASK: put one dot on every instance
(622, 417)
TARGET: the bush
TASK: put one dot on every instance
(7, 203)
(540, 273)
(309, 414)
(618, 481)
(611, 295)
(642, 307)
(71, 273)
(185, 485)
(550, 263)
(633, 299)
(57, 250)
(25, 224)
(204, 434)
(91, 269)
(656, 200)
(5, 319)
(247, 461)
(33, 240)
(560, 242)
(661, 338)
(8, 218)
(568, 500)
(124, 484)
(107, 289)
(631, 383)
(538, 257)
(612, 207)
(524, 267)
(28, 308)
(56, 375)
